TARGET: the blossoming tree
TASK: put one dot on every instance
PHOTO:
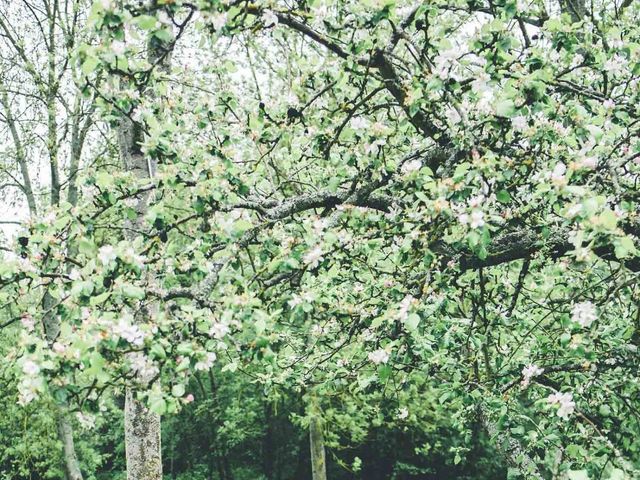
(358, 199)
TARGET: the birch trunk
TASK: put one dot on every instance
(65, 433)
(142, 440)
(316, 444)
(142, 426)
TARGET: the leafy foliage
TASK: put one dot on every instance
(417, 218)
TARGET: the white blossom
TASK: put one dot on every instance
(118, 47)
(477, 219)
(86, 420)
(368, 335)
(136, 116)
(519, 123)
(584, 313)
(49, 218)
(28, 322)
(219, 21)
(144, 368)
(529, 372)
(295, 301)
(403, 413)
(130, 333)
(317, 330)
(481, 83)
(26, 396)
(616, 64)
(163, 17)
(565, 402)
(342, 362)
(405, 305)
(445, 62)
(577, 60)
(359, 123)
(269, 18)
(75, 274)
(29, 367)
(207, 362)
(219, 330)
(372, 148)
(574, 210)
(28, 390)
(476, 201)
(319, 225)
(589, 162)
(411, 166)
(313, 256)
(557, 175)
(379, 356)
(107, 254)
(26, 265)
(133, 258)
(453, 116)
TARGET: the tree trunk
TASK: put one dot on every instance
(65, 432)
(509, 447)
(142, 440)
(72, 466)
(316, 443)
(142, 426)
(21, 156)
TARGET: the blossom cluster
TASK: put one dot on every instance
(566, 405)
(584, 314)
(529, 372)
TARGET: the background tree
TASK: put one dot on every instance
(46, 121)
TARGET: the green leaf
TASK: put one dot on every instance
(241, 226)
(177, 390)
(158, 352)
(146, 22)
(260, 325)
(505, 108)
(99, 299)
(87, 247)
(384, 372)
(503, 196)
(158, 405)
(133, 291)
(412, 321)
(577, 475)
(89, 65)
(230, 367)
(164, 35)
(624, 247)
(608, 220)
(104, 179)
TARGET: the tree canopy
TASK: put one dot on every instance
(361, 218)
